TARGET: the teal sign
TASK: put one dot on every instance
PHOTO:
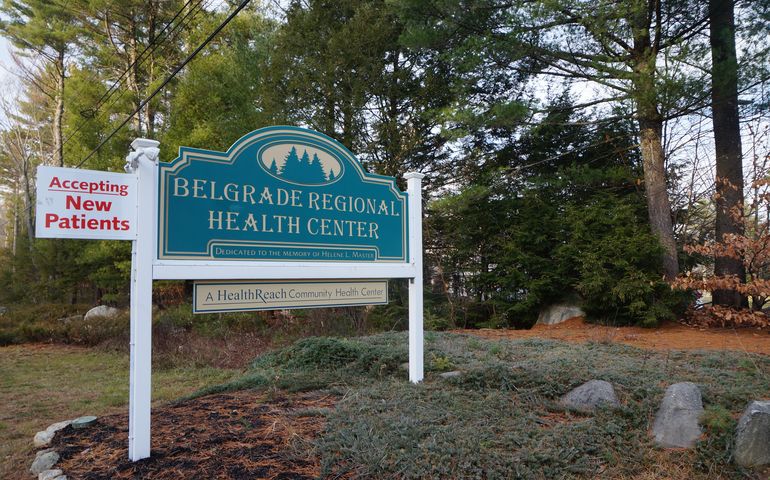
(279, 193)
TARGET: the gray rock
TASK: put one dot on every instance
(590, 396)
(44, 460)
(752, 437)
(676, 423)
(404, 366)
(50, 474)
(83, 422)
(559, 313)
(102, 311)
(452, 374)
(44, 438)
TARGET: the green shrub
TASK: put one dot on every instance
(617, 264)
(320, 352)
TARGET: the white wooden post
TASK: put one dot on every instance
(142, 161)
(416, 355)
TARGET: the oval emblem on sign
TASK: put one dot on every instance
(300, 164)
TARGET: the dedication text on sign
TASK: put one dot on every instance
(74, 203)
(211, 297)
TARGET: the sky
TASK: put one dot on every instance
(8, 81)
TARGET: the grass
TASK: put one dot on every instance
(42, 384)
(501, 418)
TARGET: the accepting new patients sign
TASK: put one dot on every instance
(279, 193)
(73, 203)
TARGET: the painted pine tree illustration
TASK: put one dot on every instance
(316, 171)
(304, 173)
(292, 168)
(301, 169)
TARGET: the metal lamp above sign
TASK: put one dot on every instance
(279, 193)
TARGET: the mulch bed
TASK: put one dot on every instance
(241, 435)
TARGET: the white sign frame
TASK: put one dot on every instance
(146, 267)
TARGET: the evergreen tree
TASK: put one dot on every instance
(316, 170)
(727, 143)
(304, 171)
(292, 167)
(42, 28)
(571, 224)
(618, 45)
(221, 95)
(340, 68)
(273, 168)
(331, 174)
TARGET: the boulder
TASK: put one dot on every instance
(752, 436)
(83, 422)
(676, 423)
(452, 374)
(590, 396)
(50, 475)
(44, 460)
(102, 311)
(43, 438)
(559, 313)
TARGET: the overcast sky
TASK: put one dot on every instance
(8, 82)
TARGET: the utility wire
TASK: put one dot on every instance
(139, 59)
(155, 43)
(192, 14)
(187, 60)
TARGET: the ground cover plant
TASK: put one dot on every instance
(501, 417)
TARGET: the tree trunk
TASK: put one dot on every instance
(58, 114)
(132, 79)
(727, 143)
(28, 202)
(643, 63)
(658, 205)
(149, 108)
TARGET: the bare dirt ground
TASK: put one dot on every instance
(670, 336)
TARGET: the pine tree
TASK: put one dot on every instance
(331, 175)
(727, 146)
(292, 168)
(43, 29)
(304, 171)
(273, 168)
(316, 171)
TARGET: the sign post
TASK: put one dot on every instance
(416, 356)
(143, 162)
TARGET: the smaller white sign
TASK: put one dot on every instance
(74, 203)
(224, 296)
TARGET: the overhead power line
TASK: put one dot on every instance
(187, 60)
(159, 38)
(153, 45)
